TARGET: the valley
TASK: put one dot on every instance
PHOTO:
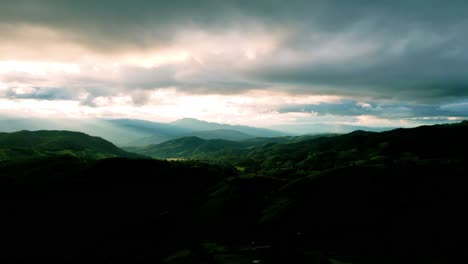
(317, 199)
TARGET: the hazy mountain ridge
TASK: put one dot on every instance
(225, 134)
(135, 132)
(199, 125)
(319, 128)
(285, 139)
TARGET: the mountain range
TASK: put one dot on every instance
(193, 147)
(134, 132)
(140, 133)
(274, 156)
(364, 197)
(199, 125)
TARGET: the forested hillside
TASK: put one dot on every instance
(364, 197)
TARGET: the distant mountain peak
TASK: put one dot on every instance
(189, 120)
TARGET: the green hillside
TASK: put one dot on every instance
(425, 144)
(289, 156)
(364, 197)
(191, 148)
(35, 144)
(230, 151)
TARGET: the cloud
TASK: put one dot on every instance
(40, 93)
(404, 64)
(387, 110)
(405, 59)
(116, 25)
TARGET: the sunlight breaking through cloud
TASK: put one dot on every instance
(236, 62)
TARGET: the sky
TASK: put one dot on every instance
(257, 62)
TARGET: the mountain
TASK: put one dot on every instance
(157, 138)
(135, 132)
(425, 144)
(287, 155)
(148, 132)
(319, 128)
(199, 125)
(284, 139)
(190, 148)
(225, 134)
(364, 197)
(119, 132)
(149, 127)
(194, 147)
(34, 144)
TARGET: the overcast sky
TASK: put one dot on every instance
(264, 63)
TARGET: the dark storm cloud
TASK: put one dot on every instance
(108, 24)
(433, 71)
(414, 51)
